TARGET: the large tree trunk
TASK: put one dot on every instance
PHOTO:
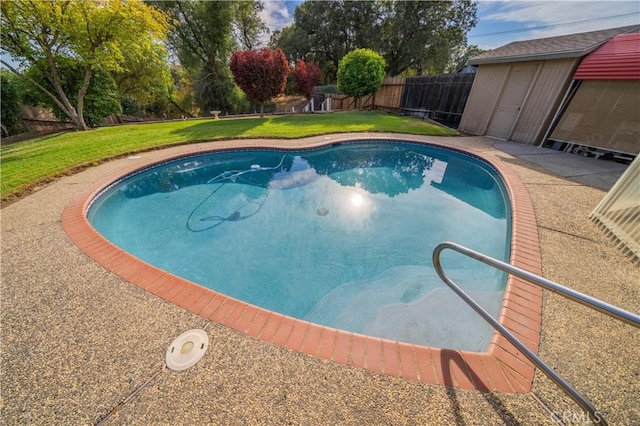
(83, 91)
(72, 113)
(261, 109)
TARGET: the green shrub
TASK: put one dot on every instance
(360, 73)
(130, 106)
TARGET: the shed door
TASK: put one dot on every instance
(511, 99)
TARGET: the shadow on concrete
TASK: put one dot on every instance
(449, 357)
(600, 174)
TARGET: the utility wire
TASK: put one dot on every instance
(553, 25)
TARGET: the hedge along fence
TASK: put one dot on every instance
(439, 97)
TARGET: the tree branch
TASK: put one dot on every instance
(45, 91)
(199, 50)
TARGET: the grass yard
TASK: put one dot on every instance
(27, 164)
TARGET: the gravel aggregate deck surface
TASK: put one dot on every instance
(77, 341)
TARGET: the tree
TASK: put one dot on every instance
(460, 56)
(10, 113)
(360, 73)
(420, 35)
(261, 74)
(306, 76)
(145, 80)
(413, 36)
(292, 40)
(101, 98)
(323, 32)
(203, 38)
(248, 26)
(97, 34)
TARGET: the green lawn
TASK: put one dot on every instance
(26, 164)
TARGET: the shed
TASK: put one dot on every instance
(520, 86)
(600, 115)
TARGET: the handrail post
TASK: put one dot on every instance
(584, 299)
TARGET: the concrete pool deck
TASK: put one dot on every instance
(77, 340)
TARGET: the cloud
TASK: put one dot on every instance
(277, 14)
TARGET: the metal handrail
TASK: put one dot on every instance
(592, 302)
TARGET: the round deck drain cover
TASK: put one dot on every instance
(187, 349)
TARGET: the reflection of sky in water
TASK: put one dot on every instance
(341, 236)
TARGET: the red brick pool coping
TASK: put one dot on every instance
(501, 369)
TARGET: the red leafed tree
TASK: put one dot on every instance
(261, 74)
(306, 77)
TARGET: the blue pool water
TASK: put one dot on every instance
(340, 236)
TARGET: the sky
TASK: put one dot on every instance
(501, 22)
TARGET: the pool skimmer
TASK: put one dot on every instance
(187, 349)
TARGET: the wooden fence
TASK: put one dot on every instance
(386, 98)
(390, 94)
(440, 97)
(36, 120)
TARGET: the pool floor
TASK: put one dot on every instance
(501, 368)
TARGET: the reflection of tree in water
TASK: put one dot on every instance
(215, 168)
(391, 170)
(377, 169)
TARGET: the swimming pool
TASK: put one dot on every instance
(340, 236)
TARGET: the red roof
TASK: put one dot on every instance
(618, 59)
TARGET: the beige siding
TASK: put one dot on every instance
(484, 95)
(515, 92)
(542, 102)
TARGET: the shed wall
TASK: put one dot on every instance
(513, 96)
(603, 114)
(484, 95)
(544, 98)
